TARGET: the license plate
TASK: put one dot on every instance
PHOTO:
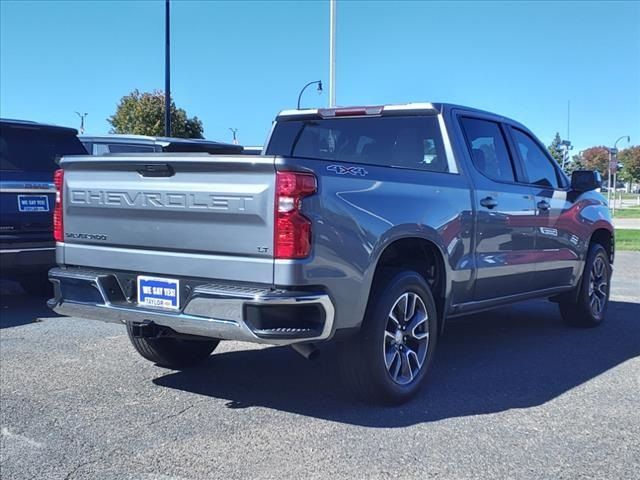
(33, 203)
(158, 292)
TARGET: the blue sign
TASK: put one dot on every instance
(33, 203)
(159, 292)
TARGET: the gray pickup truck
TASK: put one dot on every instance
(368, 226)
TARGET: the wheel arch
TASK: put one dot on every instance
(606, 238)
(424, 256)
(602, 235)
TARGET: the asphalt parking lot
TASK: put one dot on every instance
(513, 394)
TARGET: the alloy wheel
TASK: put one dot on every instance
(598, 286)
(406, 338)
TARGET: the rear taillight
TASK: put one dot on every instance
(292, 229)
(58, 223)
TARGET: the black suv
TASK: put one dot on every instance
(28, 157)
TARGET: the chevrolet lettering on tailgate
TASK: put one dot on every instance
(187, 201)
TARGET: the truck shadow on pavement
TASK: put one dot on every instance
(20, 309)
(515, 357)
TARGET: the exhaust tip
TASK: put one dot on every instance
(307, 350)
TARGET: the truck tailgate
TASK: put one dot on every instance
(173, 214)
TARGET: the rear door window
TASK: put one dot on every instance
(35, 149)
(488, 149)
(404, 142)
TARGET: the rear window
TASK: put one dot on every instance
(405, 142)
(106, 148)
(35, 149)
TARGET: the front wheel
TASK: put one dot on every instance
(589, 307)
(387, 362)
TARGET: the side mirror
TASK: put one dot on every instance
(585, 180)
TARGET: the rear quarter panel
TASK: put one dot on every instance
(356, 216)
(589, 212)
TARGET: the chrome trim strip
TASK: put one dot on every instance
(21, 250)
(467, 308)
(215, 311)
(27, 187)
(27, 190)
(401, 107)
(309, 111)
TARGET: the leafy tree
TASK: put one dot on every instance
(630, 159)
(576, 163)
(143, 114)
(554, 148)
(597, 158)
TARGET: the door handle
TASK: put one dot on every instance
(543, 205)
(489, 202)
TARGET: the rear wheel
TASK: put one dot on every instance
(174, 353)
(387, 362)
(589, 307)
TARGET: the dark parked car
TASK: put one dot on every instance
(105, 144)
(28, 155)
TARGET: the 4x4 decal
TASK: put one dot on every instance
(343, 170)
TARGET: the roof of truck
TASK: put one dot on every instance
(31, 124)
(415, 107)
(170, 144)
(150, 140)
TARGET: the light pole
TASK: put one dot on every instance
(613, 165)
(319, 82)
(566, 146)
(167, 72)
(81, 115)
(234, 131)
(332, 53)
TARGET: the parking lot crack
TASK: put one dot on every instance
(81, 465)
(104, 457)
(172, 415)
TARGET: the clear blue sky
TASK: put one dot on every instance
(236, 64)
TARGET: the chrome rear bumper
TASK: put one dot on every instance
(227, 312)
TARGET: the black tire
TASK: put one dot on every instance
(364, 359)
(37, 285)
(174, 353)
(582, 310)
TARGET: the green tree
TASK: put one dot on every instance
(597, 158)
(576, 163)
(554, 148)
(143, 114)
(630, 159)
